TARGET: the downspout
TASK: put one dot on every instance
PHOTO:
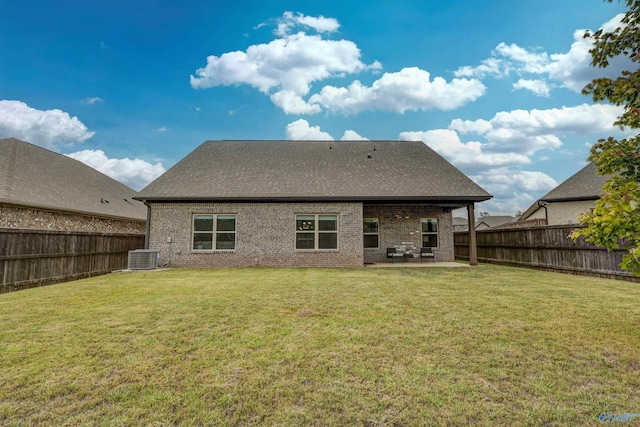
(544, 204)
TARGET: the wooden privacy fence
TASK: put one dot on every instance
(30, 258)
(546, 248)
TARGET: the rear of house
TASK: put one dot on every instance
(304, 203)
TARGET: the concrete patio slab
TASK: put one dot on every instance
(415, 264)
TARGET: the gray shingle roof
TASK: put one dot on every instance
(36, 177)
(313, 170)
(583, 185)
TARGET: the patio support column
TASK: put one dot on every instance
(473, 249)
(147, 230)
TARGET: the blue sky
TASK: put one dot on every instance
(132, 87)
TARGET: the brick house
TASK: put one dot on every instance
(304, 203)
(564, 204)
(40, 189)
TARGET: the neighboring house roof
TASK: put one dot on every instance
(494, 220)
(314, 170)
(35, 177)
(585, 184)
(459, 221)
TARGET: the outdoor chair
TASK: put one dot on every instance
(427, 253)
(393, 254)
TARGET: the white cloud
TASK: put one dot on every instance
(290, 63)
(470, 156)
(574, 68)
(47, 128)
(162, 129)
(538, 87)
(526, 132)
(507, 182)
(470, 126)
(512, 189)
(523, 60)
(300, 130)
(292, 103)
(571, 69)
(506, 206)
(584, 118)
(286, 67)
(320, 23)
(490, 66)
(92, 100)
(409, 89)
(511, 137)
(135, 173)
(506, 143)
(351, 135)
(498, 173)
(506, 59)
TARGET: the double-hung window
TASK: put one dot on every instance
(316, 231)
(370, 232)
(214, 232)
(429, 232)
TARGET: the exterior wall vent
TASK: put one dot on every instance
(143, 259)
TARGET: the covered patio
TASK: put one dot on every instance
(414, 232)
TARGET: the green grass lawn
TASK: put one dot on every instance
(374, 347)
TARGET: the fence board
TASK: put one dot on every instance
(545, 248)
(30, 258)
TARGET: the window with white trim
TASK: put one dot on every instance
(214, 232)
(370, 232)
(429, 228)
(316, 232)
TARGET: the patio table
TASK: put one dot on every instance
(408, 250)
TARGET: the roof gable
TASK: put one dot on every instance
(313, 170)
(585, 184)
(35, 177)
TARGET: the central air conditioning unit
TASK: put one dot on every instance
(143, 259)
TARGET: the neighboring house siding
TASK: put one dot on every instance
(39, 219)
(265, 235)
(396, 228)
(561, 213)
(537, 214)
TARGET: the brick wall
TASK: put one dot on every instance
(399, 224)
(265, 235)
(37, 219)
